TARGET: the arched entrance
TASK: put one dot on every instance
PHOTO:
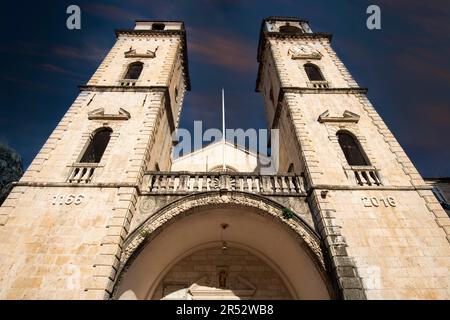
(266, 256)
(222, 270)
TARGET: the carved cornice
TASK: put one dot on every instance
(99, 114)
(310, 189)
(347, 116)
(75, 185)
(100, 88)
(132, 53)
(324, 90)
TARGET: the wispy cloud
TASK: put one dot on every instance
(431, 120)
(425, 67)
(221, 49)
(23, 48)
(51, 68)
(428, 16)
(202, 106)
(111, 12)
(89, 53)
(159, 9)
(23, 82)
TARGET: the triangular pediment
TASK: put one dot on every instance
(347, 116)
(99, 114)
(133, 53)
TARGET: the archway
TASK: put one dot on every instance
(222, 270)
(287, 249)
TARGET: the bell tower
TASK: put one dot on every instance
(385, 234)
(63, 225)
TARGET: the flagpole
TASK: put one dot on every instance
(223, 130)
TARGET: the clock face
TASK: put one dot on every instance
(304, 51)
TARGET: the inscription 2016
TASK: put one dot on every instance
(378, 202)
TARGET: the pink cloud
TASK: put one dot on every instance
(425, 64)
(55, 69)
(89, 52)
(86, 52)
(223, 50)
(110, 12)
(203, 106)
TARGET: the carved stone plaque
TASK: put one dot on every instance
(304, 51)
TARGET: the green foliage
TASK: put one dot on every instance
(287, 214)
(145, 233)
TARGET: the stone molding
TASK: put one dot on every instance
(99, 114)
(142, 235)
(348, 116)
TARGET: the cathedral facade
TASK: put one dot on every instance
(104, 212)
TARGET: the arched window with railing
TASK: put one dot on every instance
(352, 149)
(96, 146)
(134, 71)
(313, 72)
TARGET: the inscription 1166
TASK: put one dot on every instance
(67, 199)
(378, 201)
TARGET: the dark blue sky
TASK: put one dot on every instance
(406, 65)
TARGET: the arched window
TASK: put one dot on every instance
(220, 169)
(134, 70)
(291, 168)
(352, 150)
(96, 146)
(287, 28)
(313, 72)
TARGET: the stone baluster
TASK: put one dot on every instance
(291, 184)
(171, 182)
(163, 184)
(184, 183)
(284, 185)
(276, 184)
(195, 187)
(253, 187)
(155, 186)
(204, 183)
(245, 183)
(264, 186)
(300, 183)
(148, 181)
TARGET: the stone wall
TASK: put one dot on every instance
(384, 241)
(62, 239)
(246, 277)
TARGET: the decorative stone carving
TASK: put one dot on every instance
(347, 116)
(131, 53)
(304, 51)
(147, 205)
(202, 289)
(140, 236)
(99, 114)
